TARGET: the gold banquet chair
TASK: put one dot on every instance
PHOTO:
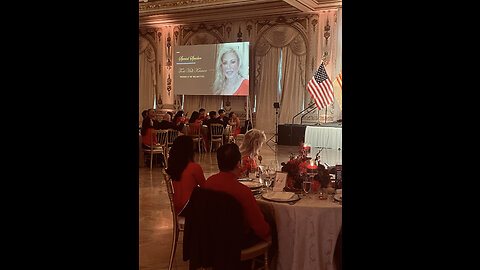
(253, 253)
(178, 221)
(216, 134)
(172, 135)
(193, 130)
(159, 148)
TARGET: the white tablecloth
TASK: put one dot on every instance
(307, 233)
(329, 137)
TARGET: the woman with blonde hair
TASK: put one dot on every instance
(250, 149)
(229, 79)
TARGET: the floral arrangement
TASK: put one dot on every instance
(297, 169)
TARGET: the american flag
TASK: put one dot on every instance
(320, 87)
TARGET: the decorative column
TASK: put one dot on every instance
(166, 39)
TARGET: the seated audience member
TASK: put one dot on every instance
(194, 120)
(156, 124)
(229, 163)
(171, 115)
(151, 114)
(202, 116)
(179, 120)
(214, 120)
(250, 148)
(167, 124)
(144, 113)
(235, 123)
(184, 172)
(147, 127)
(222, 116)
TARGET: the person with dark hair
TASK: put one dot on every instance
(222, 116)
(185, 173)
(171, 114)
(144, 113)
(202, 116)
(229, 164)
(194, 118)
(179, 120)
(213, 119)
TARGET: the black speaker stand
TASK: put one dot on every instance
(276, 128)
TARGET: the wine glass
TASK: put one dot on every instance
(252, 174)
(271, 174)
(307, 185)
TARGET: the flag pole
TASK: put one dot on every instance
(325, 117)
(326, 107)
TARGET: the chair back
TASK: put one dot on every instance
(216, 131)
(160, 147)
(161, 137)
(172, 135)
(213, 230)
(170, 191)
(194, 129)
(229, 133)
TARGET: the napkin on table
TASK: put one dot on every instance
(280, 195)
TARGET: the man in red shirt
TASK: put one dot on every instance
(229, 163)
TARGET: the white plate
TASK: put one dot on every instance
(251, 185)
(271, 197)
(338, 197)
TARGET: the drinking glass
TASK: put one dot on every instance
(307, 185)
(252, 174)
(265, 170)
(266, 184)
(271, 175)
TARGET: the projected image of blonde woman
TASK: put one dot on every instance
(231, 72)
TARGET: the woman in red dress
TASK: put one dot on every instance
(184, 172)
(194, 119)
(235, 123)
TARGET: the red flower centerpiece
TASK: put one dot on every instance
(301, 167)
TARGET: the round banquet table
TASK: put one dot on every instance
(328, 137)
(307, 232)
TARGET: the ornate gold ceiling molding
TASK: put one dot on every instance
(174, 4)
(157, 13)
(314, 5)
(189, 5)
